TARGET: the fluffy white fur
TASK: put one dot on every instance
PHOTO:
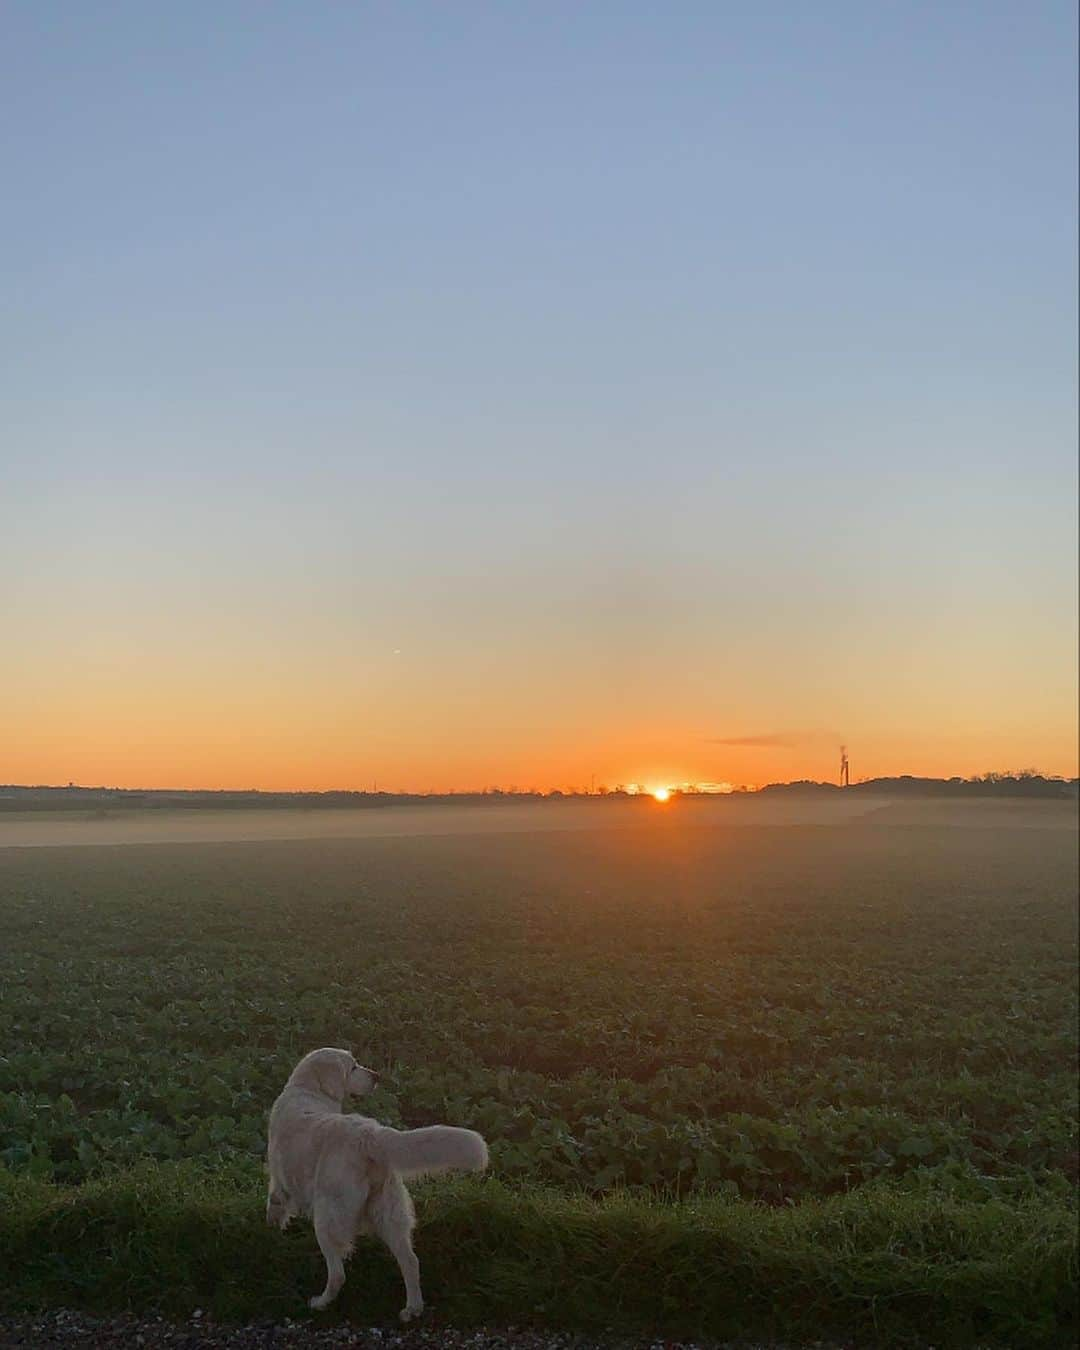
(344, 1171)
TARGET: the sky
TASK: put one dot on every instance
(534, 394)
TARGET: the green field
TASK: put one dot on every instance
(783, 1081)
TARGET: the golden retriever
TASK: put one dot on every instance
(345, 1172)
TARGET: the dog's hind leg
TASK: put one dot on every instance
(392, 1218)
(335, 1240)
(337, 1207)
(400, 1243)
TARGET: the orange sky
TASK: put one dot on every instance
(147, 724)
(142, 660)
(630, 396)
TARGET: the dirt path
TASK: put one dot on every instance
(77, 1330)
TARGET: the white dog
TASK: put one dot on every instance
(345, 1171)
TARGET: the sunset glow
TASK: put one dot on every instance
(661, 794)
(392, 434)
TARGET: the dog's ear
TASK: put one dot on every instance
(331, 1072)
(324, 1071)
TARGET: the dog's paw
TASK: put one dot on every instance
(411, 1312)
(319, 1302)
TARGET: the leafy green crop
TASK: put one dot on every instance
(770, 1013)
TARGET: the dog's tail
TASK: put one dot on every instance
(437, 1148)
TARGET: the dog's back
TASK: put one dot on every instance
(301, 1132)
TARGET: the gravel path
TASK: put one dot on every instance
(74, 1329)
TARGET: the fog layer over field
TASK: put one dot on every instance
(36, 829)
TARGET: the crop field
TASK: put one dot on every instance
(801, 1079)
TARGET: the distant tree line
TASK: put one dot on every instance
(15, 797)
(1011, 783)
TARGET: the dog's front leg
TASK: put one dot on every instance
(278, 1209)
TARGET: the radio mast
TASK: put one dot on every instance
(845, 773)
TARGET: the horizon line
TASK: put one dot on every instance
(699, 789)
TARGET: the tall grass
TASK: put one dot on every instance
(876, 1263)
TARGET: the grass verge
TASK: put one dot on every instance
(873, 1264)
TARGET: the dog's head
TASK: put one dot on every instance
(334, 1074)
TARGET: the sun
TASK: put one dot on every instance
(661, 794)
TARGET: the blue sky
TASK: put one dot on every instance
(674, 346)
